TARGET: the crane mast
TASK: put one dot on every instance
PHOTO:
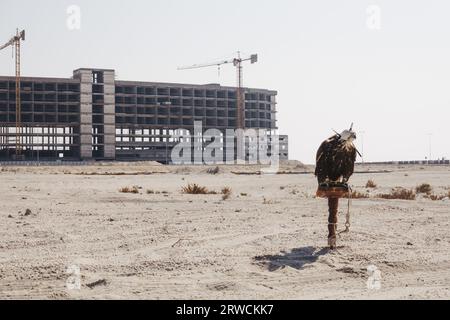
(240, 99)
(15, 43)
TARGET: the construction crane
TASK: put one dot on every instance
(15, 43)
(237, 62)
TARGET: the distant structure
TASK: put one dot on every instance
(92, 116)
(421, 162)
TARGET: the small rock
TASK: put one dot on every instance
(409, 243)
(10, 216)
(27, 212)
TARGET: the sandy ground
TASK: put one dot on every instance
(267, 241)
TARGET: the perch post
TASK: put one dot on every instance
(333, 204)
(332, 191)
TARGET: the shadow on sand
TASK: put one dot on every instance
(297, 258)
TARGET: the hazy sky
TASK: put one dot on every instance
(332, 62)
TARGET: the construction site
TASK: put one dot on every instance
(130, 172)
(93, 116)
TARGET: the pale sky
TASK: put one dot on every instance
(329, 66)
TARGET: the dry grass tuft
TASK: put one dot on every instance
(226, 193)
(359, 195)
(424, 188)
(371, 184)
(399, 193)
(133, 189)
(193, 188)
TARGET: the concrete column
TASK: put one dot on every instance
(85, 77)
(109, 114)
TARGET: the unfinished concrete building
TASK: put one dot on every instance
(92, 116)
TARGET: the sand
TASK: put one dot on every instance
(267, 241)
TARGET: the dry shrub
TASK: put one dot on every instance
(193, 188)
(133, 189)
(359, 195)
(436, 197)
(371, 184)
(226, 193)
(399, 193)
(213, 170)
(424, 188)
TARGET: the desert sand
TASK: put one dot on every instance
(267, 241)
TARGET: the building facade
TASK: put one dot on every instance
(92, 116)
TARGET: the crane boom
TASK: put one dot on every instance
(237, 62)
(9, 43)
(17, 37)
(196, 66)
